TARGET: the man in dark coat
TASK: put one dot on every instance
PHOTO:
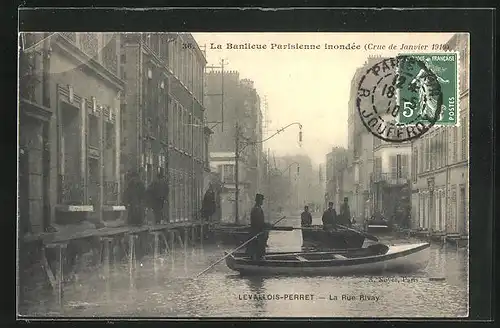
(257, 247)
(209, 204)
(305, 217)
(134, 198)
(345, 213)
(329, 217)
(157, 195)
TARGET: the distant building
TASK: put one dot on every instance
(360, 152)
(440, 170)
(69, 113)
(223, 163)
(163, 116)
(304, 180)
(336, 164)
(240, 106)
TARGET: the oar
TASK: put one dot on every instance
(237, 248)
(364, 234)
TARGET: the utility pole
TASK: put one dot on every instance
(221, 122)
(236, 173)
(268, 184)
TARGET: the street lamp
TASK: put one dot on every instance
(237, 152)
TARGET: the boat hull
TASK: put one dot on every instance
(340, 239)
(400, 258)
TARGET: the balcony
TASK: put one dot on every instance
(110, 192)
(391, 179)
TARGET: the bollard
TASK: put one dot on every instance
(60, 272)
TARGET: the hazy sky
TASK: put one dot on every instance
(307, 86)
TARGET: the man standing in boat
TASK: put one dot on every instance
(257, 247)
(345, 213)
(329, 217)
(305, 217)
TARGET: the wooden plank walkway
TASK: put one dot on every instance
(61, 237)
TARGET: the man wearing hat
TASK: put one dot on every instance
(257, 247)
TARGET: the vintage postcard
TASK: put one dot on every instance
(257, 175)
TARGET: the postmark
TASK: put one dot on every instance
(403, 86)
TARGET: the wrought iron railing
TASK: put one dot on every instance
(391, 178)
(71, 190)
(110, 192)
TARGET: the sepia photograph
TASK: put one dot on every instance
(256, 175)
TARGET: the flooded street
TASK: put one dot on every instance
(167, 287)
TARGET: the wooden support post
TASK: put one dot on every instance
(156, 251)
(171, 234)
(186, 239)
(201, 235)
(131, 251)
(193, 235)
(165, 242)
(60, 247)
(48, 270)
(171, 239)
(108, 242)
(179, 238)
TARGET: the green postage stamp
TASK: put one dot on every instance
(416, 100)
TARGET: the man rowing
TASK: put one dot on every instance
(305, 217)
(258, 227)
(329, 217)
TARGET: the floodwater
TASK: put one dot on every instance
(167, 287)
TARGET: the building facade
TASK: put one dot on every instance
(440, 170)
(391, 190)
(223, 163)
(163, 116)
(359, 169)
(234, 113)
(69, 112)
(336, 163)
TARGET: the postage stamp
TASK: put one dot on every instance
(444, 67)
(401, 98)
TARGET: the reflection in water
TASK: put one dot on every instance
(166, 287)
(256, 286)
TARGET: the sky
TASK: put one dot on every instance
(309, 86)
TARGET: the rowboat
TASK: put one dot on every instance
(333, 239)
(376, 258)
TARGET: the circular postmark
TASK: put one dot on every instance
(399, 99)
